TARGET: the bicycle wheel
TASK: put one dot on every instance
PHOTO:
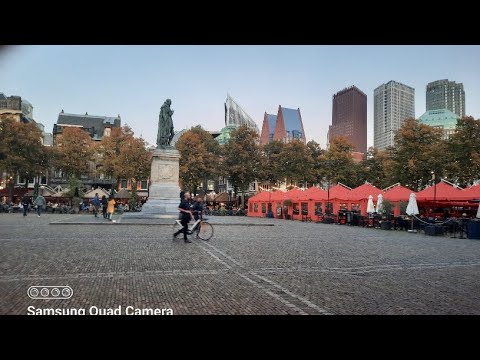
(205, 231)
(177, 227)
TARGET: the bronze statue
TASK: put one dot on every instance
(165, 125)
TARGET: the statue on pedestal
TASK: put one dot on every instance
(165, 126)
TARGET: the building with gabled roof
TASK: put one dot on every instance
(95, 126)
(268, 128)
(289, 125)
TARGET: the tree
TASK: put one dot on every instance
(22, 151)
(463, 159)
(74, 152)
(316, 152)
(198, 158)
(124, 156)
(110, 149)
(416, 154)
(241, 158)
(296, 162)
(270, 169)
(373, 168)
(338, 164)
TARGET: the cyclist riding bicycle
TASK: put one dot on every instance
(185, 216)
(197, 208)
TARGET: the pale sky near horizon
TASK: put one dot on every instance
(134, 81)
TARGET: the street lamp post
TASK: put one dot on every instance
(434, 193)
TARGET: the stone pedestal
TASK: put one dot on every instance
(164, 192)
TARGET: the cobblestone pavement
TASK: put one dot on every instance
(288, 268)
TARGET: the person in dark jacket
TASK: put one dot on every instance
(186, 215)
(197, 208)
(25, 203)
(104, 206)
(96, 204)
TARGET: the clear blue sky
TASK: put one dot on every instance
(134, 81)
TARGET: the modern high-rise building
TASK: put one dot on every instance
(289, 125)
(268, 128)
(442, 119)
(349, 117)
(444, 94)
(394, 102)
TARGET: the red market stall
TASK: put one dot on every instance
(441, 192)
(471, 193)
(317, 202)
(257, 204)
(277, 199)
(299, 207)
(395, 194)
(338, 195)
(442, 195)
(358, 197)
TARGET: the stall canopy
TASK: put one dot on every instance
(339, 191)
(263, 196)
(316, 194)
(363, 192)
(122, 194)
(443, 192)
(297, 195)
(223, 197)
(91, 194)
(397, 193)
(471, 193)
(278, 196)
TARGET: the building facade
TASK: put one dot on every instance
(16, 108)
(394, 102)
(349, 117)
(268, 128)
(97, 127)
(289, 125)
(444, 94)
(443, 119)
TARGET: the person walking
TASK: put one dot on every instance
(104, 206)
(25, 203)
(40, 202)
(96, 204)
(110, 208)
(186, 215)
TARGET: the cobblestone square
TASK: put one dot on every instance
(250, 266)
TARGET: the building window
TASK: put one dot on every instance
(123, 184)
(143, 185)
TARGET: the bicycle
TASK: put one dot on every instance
(203, 229)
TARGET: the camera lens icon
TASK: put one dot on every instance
(66, 292)
(49, 292)
(33, 292)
